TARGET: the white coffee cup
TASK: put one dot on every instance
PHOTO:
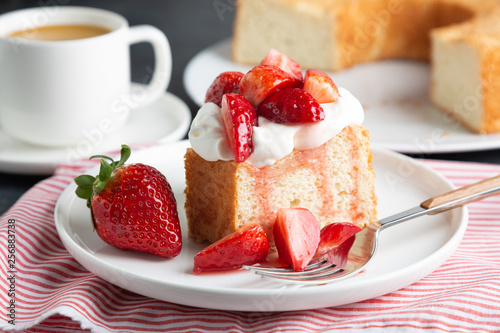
(55, 93)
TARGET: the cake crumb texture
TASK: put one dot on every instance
(334, 181)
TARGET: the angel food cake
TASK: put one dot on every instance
(461, 38)
(272, 139)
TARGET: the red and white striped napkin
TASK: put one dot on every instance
(53, 293)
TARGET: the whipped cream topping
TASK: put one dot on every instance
(272, 141)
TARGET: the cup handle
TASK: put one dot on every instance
(163, 63)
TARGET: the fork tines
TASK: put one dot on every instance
(315, 271)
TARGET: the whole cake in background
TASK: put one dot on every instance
(272, 138)
(461, 38)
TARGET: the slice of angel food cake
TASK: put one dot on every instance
(272, 138)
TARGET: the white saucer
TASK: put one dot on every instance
(166, 120)
(394, 93)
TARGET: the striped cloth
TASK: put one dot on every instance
(53, 293)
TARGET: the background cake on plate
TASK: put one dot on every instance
(459, 37)
(466, 72)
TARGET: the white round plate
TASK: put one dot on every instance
(407, 252)
(394, 94)
(165, 120)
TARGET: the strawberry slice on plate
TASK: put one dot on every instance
(246, 246)
(226, 82)
(296, 235)
(333, 235)
(320, 86)
(278, 59)
(238, 117)
(338, 255)
(291, 106)
(263, 80)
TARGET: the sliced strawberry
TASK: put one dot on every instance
(296, 235)
(246, 246)
(291, 106)
(239, 117)
(226, 82)
(338, 255)
(320, 86)
(276, 58)
(333, 235)
(263, 80)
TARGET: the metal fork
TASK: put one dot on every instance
(356, 252)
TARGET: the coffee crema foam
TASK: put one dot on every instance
(61, 32)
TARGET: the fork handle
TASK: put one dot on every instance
(464, 195)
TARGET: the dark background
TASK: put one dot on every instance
(190, 25)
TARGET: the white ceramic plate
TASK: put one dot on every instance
(407, 252)
(165, 120)
(394, 93)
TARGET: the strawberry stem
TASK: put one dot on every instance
(88, 186)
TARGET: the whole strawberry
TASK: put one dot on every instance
(132, 206)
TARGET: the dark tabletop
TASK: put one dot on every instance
(190, 25)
